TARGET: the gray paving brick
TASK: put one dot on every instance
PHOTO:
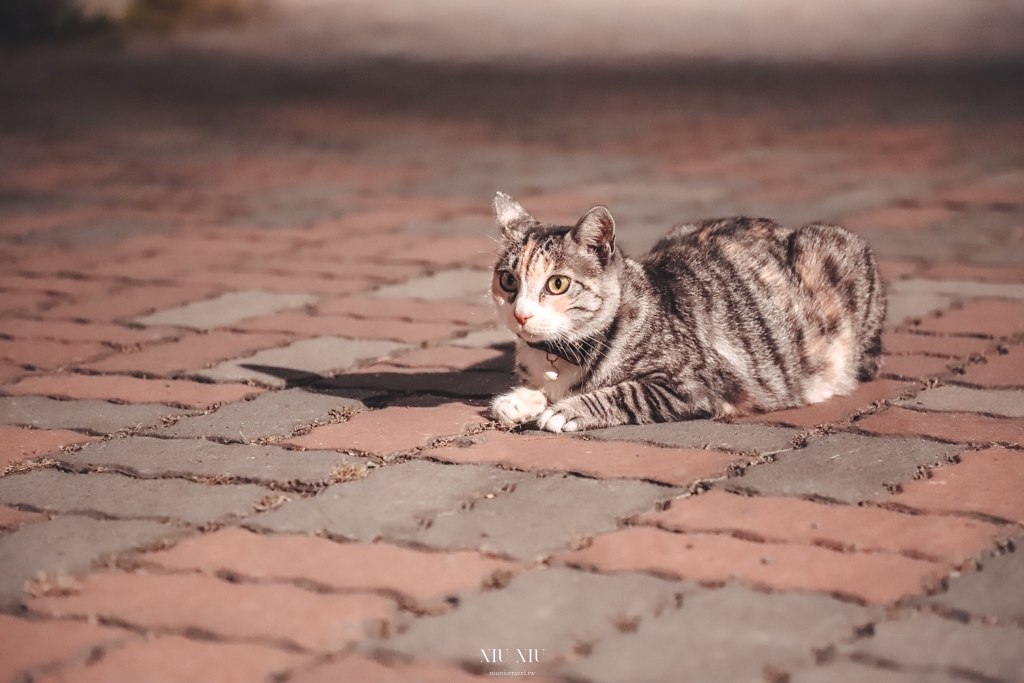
(122, 497)
(727, 635)
(993, 591)
(302, 360)
(847, 671)
(930, 641)
(395, 501)
(226, 309)
(275, 413)
(544, 514)
(555, 610)
(154, 457)
(703, 434)
(69, 545)
(916, 298)
(1002, 402)
(843, 467)
(93, 417)
(463, 383)
(460, 283)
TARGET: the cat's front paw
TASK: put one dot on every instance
(555, 420)
(518, 406)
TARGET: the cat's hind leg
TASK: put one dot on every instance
(518, 406)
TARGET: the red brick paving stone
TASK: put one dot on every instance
(131, 302)
(792, 520)
(999, 370)
(282, 283)
(174, 659)
(233, 610)
(875, 577)
(993, 190)
(21, 444)
(409, 309)
(360, 566)
(68, 331)
(11, 519)
(837, 409)
(448, 251)
(952, 427)
(50, 354)
(963, 271)
(675, 466)
(26, 302)
(898, 218)
(392, 429)
(897, 270)
(909, 343)
(73, 287)
(132, 389)
(193, 352)
(351, 328)
(448, 357)
(10, 372)
(361, 670)
(916, 366)
(984, 317)
(989, 482)
(30, 645)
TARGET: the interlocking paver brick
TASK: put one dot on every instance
(271, 414)
(49, 355)
(10, 372)
(838, 409)
(453, 358)
(999, 370)
(999, 402)
(192, 352)
(129, 302)
(90, 416)
(363, 670)
(17, 443)
(860, 528)
(176, 658)
(472, 286)
(704, 434)
(118, 496)
(948, 347)
(70, 545)
(955, 427)
(551, 513)
(986, 318)
(972, 272)
(414, 310)
(132, 390)
(842, 467)
(987, 482)
(554, 609)
(875, 577)
(917, 367)
(851, 671)
(317, 356)
(970, 651)
(353, 566)
(12, 518)
(393, 429)
(142, 456)
(26, 647)
(989, 592)
(673, 466)
(270, 612)
(27, 302)
(291, 285)
(225, 310)
(722, 636)
(417, 492)
(497, 336)
(69, 331)
(353, 328)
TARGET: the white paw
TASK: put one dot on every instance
(518, 406)
(556, 422)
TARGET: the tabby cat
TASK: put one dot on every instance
(720, 318)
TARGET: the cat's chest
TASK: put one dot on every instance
(552, 376)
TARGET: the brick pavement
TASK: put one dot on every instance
(245, 355)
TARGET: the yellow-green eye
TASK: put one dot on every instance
(557, 284)
(507, 281)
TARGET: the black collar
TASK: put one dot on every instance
(574, 353)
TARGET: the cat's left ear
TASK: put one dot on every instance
(596, 230)
(510, 215)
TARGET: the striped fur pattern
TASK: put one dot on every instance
(721, 318)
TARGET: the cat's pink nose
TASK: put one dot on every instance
(523, 317)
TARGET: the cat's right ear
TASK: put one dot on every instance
(510, 215)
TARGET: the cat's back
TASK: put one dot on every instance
(727, 238)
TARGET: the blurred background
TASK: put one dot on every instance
(902, 118)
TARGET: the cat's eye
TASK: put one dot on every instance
(507, 281)
(558, 284)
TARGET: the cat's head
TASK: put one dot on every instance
(555, 282)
